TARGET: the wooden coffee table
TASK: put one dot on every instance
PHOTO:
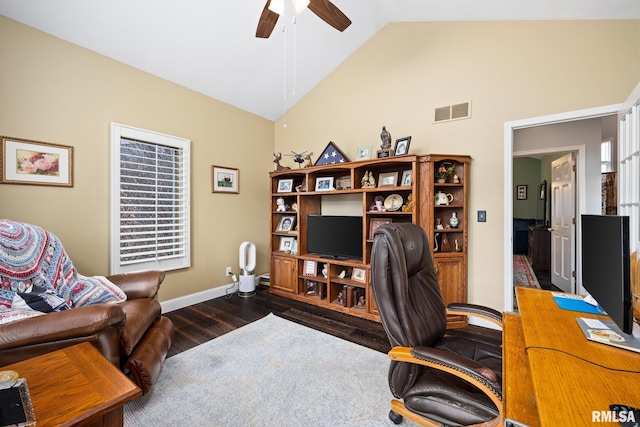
(76, 386)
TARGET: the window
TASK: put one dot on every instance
(606, 161)
(149, 200)
(628, 186)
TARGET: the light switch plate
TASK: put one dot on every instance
(482, 216)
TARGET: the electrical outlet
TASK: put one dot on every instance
(228, 271)
(482, 216)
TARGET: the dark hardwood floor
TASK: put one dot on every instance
(205, 321)
(544, 278)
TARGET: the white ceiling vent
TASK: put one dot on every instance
(453, 112)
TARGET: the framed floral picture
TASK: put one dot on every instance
(38, 163)
(224, 180)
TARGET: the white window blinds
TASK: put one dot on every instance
(150, 201)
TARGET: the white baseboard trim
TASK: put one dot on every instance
(198, 297)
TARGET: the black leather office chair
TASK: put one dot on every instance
(443, 377)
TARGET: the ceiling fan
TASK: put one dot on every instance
(325, 10)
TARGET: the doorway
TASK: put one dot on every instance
(582, 180)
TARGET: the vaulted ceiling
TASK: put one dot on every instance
(209, 46)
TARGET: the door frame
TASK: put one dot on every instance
(580, 152)
(509, 128)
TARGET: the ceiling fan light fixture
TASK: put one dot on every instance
(300, 5)
(277, 6)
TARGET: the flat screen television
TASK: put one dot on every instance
(606, 273)
(335, 236)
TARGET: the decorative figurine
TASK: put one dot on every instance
(407, 207)
(324, 270)
(385, 148)
(342, 274)
(308, 159)
(365, 180)
(368, 181)
(385, 136)
(282, 206)
(457, 246)
(298, 157)
(276, 160)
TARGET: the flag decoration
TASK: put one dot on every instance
(331, 154)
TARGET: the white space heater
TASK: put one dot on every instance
(247, 264)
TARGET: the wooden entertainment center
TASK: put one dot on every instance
(345, 285)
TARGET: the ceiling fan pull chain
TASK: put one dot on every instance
(284, 83)
(295, 38)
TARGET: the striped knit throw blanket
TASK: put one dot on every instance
(37, 276)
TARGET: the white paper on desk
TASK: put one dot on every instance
(594, 323)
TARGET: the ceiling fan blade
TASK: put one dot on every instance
(330, 14)
(267, 22)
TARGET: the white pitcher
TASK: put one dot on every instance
(443, 198)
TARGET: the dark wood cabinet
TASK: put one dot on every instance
(540, 247)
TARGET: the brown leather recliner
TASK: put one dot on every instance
(133, 335)
(447, 377)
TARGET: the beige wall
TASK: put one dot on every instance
(509, 70)
(58, 92)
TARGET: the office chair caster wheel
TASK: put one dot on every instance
(396, 418)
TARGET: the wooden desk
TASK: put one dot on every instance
(76, 386)
(568, 375)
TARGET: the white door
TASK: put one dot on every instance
(562, 222)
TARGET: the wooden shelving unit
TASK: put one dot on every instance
(298, 189)
(450, 260)
(287, 268)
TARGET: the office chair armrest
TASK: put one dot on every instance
(469, 370)
(493, 316)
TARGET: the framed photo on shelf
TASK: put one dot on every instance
(37, 163)
(287, 223)
(343, 183)
(402, 146)
(224, 180)
(286, 244)
(407, 178)
(285, 185)
(389, 179)
(521, 193)
(324, 183)
(364, 152)
(359, 274)
(374, 223)
(310, 268)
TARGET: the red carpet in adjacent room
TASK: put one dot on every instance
(523, 273)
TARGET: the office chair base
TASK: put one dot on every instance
(399, 411)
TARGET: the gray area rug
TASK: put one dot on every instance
(272, 372)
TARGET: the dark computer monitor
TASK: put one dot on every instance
(605, 266)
